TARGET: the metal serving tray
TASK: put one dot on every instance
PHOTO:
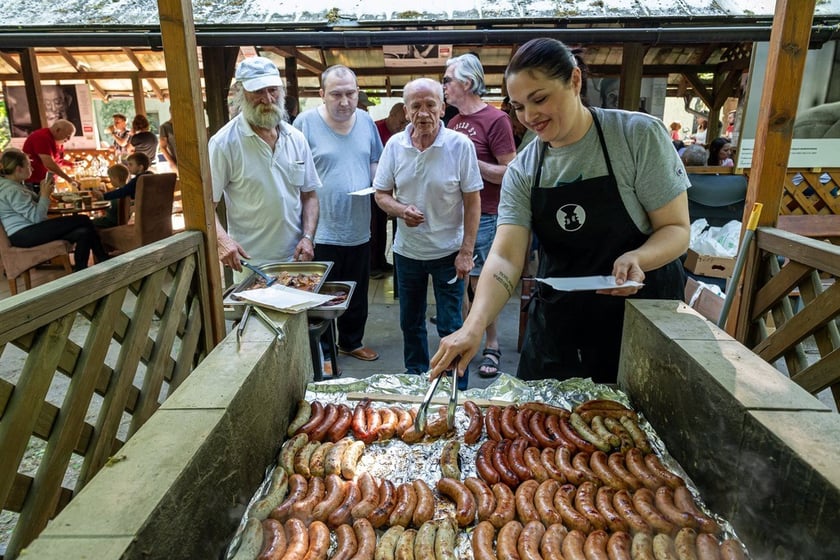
(304, 267)
(332, 311)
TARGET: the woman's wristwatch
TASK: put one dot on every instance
(309, 237)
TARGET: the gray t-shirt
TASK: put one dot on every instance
(343, 163)
(647, 168)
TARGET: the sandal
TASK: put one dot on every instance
(490, 367)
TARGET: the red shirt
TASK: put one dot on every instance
(384, 133)
(491, 132)
(41, 142)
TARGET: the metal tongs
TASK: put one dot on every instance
(246, 314)
(422, 412)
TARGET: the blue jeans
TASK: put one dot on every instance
(412, 282)
(483, 241)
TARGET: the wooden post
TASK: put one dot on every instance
(217, 78)
(632, 68)
(291, 76)
(181, 56)
(32, 79)
(777, 111)
(139, 95)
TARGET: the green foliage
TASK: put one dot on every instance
(5, 133)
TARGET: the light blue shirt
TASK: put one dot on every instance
(343, 162)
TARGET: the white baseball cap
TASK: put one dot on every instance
(258, 72)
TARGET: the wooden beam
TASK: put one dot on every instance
(776, 113)
(307, 62)
(9, 59)
(181, 57)
(699, 87)
(139, 95)
(139, 65)
(632, 65)
(75, 64)
(89, 75)
(32, 81)
(217, 79)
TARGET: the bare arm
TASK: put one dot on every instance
(305, 249)
(230, 252)
(495, 286)
(51, 165)
(668, 241)
(493, 172)
(472, 215)
(163, 143)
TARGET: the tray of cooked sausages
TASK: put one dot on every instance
(530, 480)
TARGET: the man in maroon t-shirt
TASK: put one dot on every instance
(45, 148)
(396, 121)
(490, 130)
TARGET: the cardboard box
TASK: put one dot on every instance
(708, 265)
(705, 302)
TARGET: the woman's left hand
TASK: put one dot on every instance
(626, 267)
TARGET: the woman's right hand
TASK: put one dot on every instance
(47, 186)
(456, 349)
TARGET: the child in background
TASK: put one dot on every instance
(118, 174)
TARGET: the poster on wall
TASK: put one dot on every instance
(603, 92)
(816, 130)
(70, 102)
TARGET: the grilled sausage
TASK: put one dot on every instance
(302, 509)
(345, 539)
(639, 437)
(521, 422)
(473, 432)
(297, 490)
(570, 434)
(350, 459)
(366, 539)
(405, 545)
(552, 426)
(584, 431)
(505, 505)
(731, 549)
(336, 491)
(290, 450)
(359, 423)
(370, 496)
(595, 547)
(482, 541)
(643, 501)
(493, 423)
(341, 515)
(598, 463)
(580, 462)
(424, 540)
(585, 504)
(387, 502)
(485, 502)
(663, 547)
(319, 541)
(319, 432)
(636, 465)
(450, 460)
(658, 469)
(664, 500)
(642, 547)
(425, 508)
(604, 503)
(544, 503)
(684, 501)
(616, 464)
(572, 518)
(445, 539)
(528, 544)
(547, 409)
(501, 465)
(619, 546)
(507, 540)
(297, 539)
(600, 428)
(334, 456)
(303, 456)
(273, 541)
(341, 425)
(573, 545)
(464, 502)
(516, 458)
(537, 425)
(524, 496)
(484, 462)
(549, 461)
(304, 410)
(551, 546)
(404, 420)
(317, 461)
(389, 424)
(624, 506)
(374, 422)
(438, 424)
(277, 490)
(614, 426)
(316, 416)
(507, 424)
(686, 544)
(404, 508)
(533, 460)
(707, 547)
(387, 544)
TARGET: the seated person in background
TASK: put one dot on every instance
(118, 174)
(695, 155)
(720, 153)
(137, 164)
(24, 213)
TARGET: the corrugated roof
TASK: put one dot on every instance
(113, 13)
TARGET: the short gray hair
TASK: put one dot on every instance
(469, 69)
(430, 83)
(695, 155)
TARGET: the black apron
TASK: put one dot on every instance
(582, 228)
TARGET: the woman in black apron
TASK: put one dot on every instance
(583, 225)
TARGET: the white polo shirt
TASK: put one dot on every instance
(262, 188)
(434, 181)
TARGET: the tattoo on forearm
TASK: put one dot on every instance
(502, 279)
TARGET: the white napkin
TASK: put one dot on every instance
(283, 298)
(585, 283)
(363, 192)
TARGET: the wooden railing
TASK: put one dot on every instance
(98, 351)
(796, 307)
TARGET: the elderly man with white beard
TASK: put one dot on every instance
(264, 169)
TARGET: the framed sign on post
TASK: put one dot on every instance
(70, 102)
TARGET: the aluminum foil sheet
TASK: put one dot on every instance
(400, 462)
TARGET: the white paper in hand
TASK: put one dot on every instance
(586, 283)
(363, 192)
